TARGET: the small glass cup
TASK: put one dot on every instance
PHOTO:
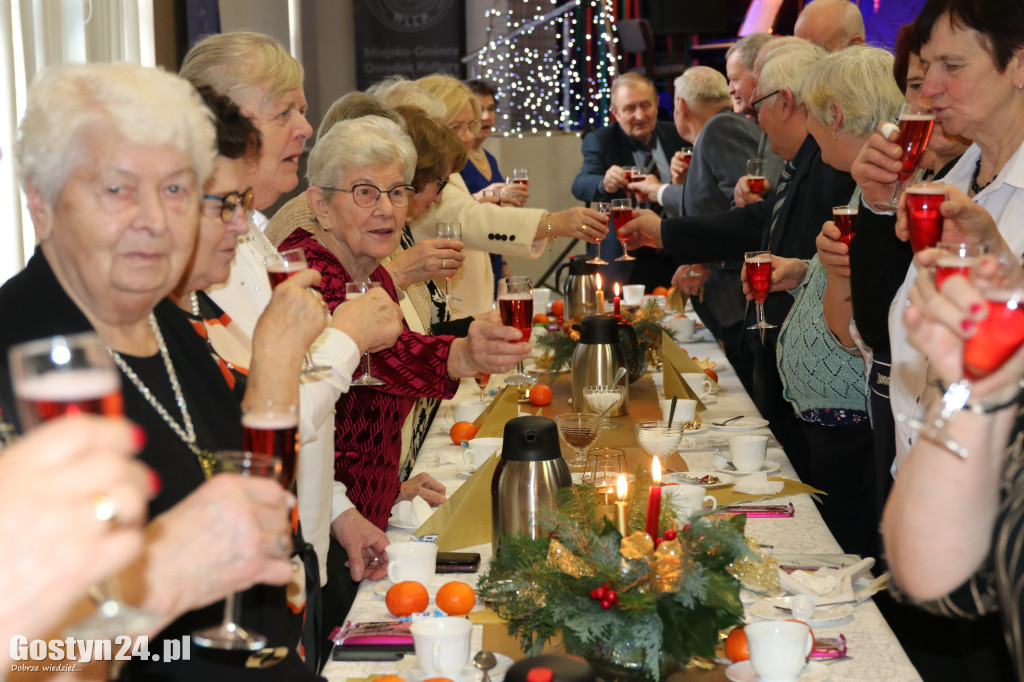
(604, 400)
(603, 468)
(755, 175)
(604, 208)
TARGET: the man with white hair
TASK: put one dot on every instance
(830, 24)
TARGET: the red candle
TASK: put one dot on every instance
(617, 300)
(654, 500)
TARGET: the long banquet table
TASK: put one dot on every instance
(874, 654)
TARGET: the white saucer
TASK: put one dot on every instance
(740, 425)
(693, 432)
(693, 478)
(766, 468)
(465, 472)
(822, 614)
(744, 672)
(468, 674)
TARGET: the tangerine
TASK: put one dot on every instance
(659, 291)
(455, 598)
(541, 318)
(713, 374)
(438, 679)
(406, 598)
(540, 395)
(736, 648)
(389, 678)
(462, 431)
(558, 307)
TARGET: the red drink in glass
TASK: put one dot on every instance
(997, 337)
(517, 311)
(755, 183)
(923, 218)
(275, 435)
(687, 157)
(621, 216)
(279, 272)
(525, 182)
(56, 394)
(759, 277)
(845, 217)
(947, 266)
(915, 131)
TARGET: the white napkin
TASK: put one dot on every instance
(827, 585)
(757, 484)
(410, 513)
(454, 455)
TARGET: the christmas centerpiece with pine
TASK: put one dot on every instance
(634, 606)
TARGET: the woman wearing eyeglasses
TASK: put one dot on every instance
(360, 175)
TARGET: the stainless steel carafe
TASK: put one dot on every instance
(596, 359)
(579, 288)
(528, 477)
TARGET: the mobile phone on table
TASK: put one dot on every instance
(458, 562)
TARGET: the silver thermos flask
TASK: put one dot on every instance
(598, 356)
(528, 477)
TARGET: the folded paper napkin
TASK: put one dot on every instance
(826, 585)
(757, 484)
(410, 513)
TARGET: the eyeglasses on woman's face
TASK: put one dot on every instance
(230, 202)
(367, 196)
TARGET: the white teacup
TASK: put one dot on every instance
(699, 382)
(684, 328)
(633, 294)
(686, 499)
(442, 645)
(541, 296)
(686, 410)
(778, 649)
(480, 450)
(748, 452)
(469, 411)
(411, 561)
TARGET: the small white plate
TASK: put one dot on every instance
(766, 468)
(693, 432)
(693, 478)
(468, 674)
(822, 614)
(465, 472)
(745, 424)
(744, 672)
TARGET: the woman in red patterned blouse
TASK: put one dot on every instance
(359, 175)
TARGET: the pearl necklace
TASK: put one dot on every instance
(187, 433)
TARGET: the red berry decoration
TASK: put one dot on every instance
(599, 593)
(686, 527)
(593, 593)
(671, 534)
(606, 604)
(612, 596)
(657, 541)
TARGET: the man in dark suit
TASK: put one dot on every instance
(787, 224)
(722, 143)
(637, 138)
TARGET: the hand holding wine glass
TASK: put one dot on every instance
(605, 209)
(449, 231)
(758, 269)
(916, 122)
(280, 267)
(622, 213)
(515, 305)
(354, 290)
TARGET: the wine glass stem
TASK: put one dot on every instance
(760, 313)
(447, 290)
(232, 610)
(366, 359)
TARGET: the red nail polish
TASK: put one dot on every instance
(967, 325)
(139, 437)
(976, 309)
(155, 483)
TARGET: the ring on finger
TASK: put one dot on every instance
(285, 545)
(443, 266)
(104, 508)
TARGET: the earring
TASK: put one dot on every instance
(1019, 86)
(835, 136)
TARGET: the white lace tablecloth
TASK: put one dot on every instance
(875, 654)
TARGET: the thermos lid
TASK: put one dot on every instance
(530, 439)
(551, 667)
(599, 329)
(578, 265)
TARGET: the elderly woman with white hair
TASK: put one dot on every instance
(113, 160)
(359, 174)
(848, 94)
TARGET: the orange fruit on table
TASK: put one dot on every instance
(406, 598)
(736, 648)
(713, 374)
(659, 291)
(455, 598)
(541, 318)
(558, 307)
(438, 679)
(389, 678)
(540, 395)
(461, 431)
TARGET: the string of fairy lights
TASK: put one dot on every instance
(552, 63)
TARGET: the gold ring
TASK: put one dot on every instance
(443, 265)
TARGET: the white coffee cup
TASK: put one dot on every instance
(686, 410)
(411, 561)
(480, 450)
(686, 499)
(699, 382)
(748, 452)
(778, 649)
(541, 296)
(633, 294)
(442, 645)
(684, 328)
(469, 411)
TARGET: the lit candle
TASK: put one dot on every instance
(617, 300)
(600, 296)
(654, 500)
(622, 487)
